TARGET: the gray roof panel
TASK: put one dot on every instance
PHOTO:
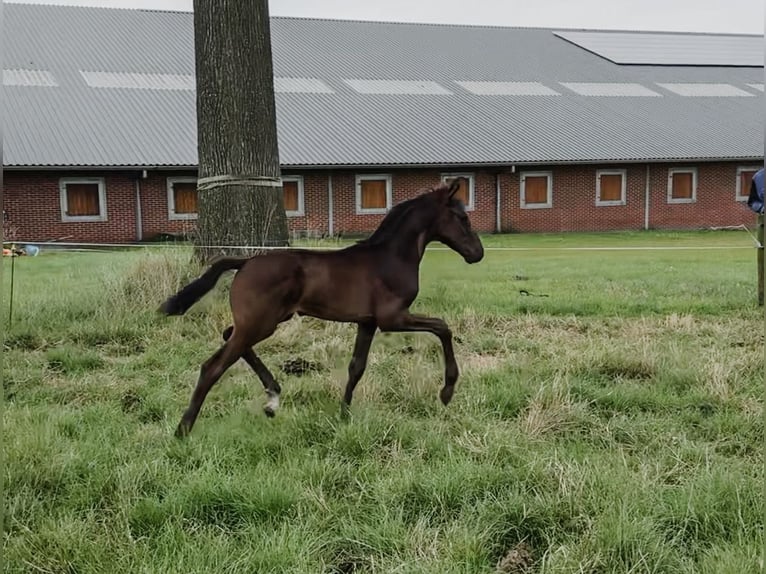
(671, 48)
(322, 120)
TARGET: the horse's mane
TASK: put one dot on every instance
(392, 222)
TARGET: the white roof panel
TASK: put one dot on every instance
(410, 87)
(507, 88)
(609, 89)
(705, 90)
(301, 86)
(42, 78)
(140, 81)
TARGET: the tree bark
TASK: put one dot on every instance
(236, 128)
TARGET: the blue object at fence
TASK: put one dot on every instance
(755, 199)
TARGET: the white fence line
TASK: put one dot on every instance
(96, 246)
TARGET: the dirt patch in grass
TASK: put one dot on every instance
(518, 560)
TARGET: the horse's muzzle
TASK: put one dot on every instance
(474, 255)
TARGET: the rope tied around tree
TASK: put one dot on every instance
(206, 183)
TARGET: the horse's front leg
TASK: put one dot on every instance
(364, 335)
(406, 322)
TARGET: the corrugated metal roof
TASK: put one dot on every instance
(669, 48)
(344, 95)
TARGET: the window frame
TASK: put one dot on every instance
(172, 215)
(693, 199)
(471, 187)
(738, 194)
(549, 192)
(360, 177)
(63, 200)
(301, 211)
(623, 173)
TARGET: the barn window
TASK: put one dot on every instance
(466, 191)
(536, 189)
(373, 193)
(682, 185)
(610, 187)
(292, 189)
(82, 199)
(182, 198)
(744, 178)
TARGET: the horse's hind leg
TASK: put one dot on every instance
(210, 372)
(273, 390)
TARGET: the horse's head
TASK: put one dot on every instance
(452, 226)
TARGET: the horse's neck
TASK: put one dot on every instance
(410, 245)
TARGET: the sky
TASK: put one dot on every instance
(722, 16)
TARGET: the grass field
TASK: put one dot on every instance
(608, 419)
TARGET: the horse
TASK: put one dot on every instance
(371, 283)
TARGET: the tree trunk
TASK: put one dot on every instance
(236, 129)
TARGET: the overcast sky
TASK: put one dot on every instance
(737, 16)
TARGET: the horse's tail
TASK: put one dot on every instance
(182, 301)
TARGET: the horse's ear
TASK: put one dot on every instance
(454, 186)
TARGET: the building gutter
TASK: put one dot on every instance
(646, 200)
(139, 218)
(498, 225)
(330, 222)
(445, 165)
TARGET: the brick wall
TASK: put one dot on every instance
(573, 197)
(405, 184)
(715, 204)
(31, 200)
(154, 206)
(574, 200)
(32, 204)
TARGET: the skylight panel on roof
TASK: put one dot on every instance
(301, 86)
(610, 89)
(17, 77)
(413, 87)
(670, 48)
(508, 88)
(140, 81)
(704, 89)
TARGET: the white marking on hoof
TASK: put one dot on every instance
(272, 404)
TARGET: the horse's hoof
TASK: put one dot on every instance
(446, 395)
(181, 431)
(269, 412)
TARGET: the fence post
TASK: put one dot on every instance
(759, 250)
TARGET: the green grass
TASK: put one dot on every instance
(610, 420)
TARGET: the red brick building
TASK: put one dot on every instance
(96, 151)
(139, 208)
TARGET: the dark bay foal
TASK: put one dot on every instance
(371, 283)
